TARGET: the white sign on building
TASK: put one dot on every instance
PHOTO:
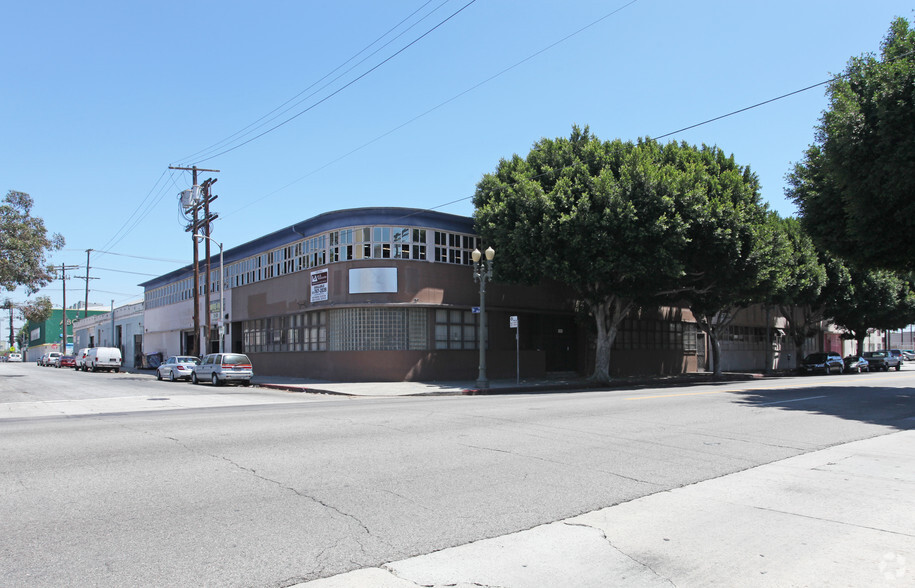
(319, 285)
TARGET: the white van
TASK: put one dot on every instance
(81, 359)
(103, 358)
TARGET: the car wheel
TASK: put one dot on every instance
(215, 380)
(246, 382)
(194, 379)
(898, 366)
(171, 376)
(158, 375)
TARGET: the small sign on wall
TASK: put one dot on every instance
(319, 285)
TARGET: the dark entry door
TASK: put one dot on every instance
(560, 339)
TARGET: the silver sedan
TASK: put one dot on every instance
(177, 367)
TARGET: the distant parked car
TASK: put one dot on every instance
(53, 359)
(826, 363)
(855, 363)
(908, 355)
(177, 367)
(66, 361)
(220, 368)
(41, 360)
(15, 357)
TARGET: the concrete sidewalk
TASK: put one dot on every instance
(507, 386)
(843, 516)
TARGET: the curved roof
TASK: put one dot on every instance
(330, 221)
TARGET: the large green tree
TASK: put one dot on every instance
(801, 293)
(24, 243)
(36, 311)
(855, 185)
(732, 241)
(610, 219)
(872, 299)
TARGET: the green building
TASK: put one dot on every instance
(45, 337)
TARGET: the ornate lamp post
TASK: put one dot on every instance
(482, 273)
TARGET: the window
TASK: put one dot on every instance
(455, 329)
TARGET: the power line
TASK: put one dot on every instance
(440, 105)
(711, 120)
(136, 256)
(108, 269)
(114, 240)
(255, 124)
(345, 86)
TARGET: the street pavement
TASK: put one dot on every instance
(843, 516)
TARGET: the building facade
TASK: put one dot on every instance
(48, 336)
(121, 327)
(388, 294)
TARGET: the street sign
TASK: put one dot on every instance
(513, 322)
(475, 309)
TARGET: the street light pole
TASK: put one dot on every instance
(220, 325)
(482, 273)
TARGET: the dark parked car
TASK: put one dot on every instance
(856, 363)
(826, 363)
(66, 361)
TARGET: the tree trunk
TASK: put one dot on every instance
(607, 315)
(716, 353)
(798, 351)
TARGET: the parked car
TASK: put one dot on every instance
(15, 357)
(81, 359)
(103, 358)
(177, 367)
(880, 360)
(220, 368)
(826, 363)
(908, 355)
(895, 358)
(53, 359)
(66, 361)
(856, 363)
(41, 360)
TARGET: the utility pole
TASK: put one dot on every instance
(63, 279)
(86, 302)
(193, 227)
(206, 226)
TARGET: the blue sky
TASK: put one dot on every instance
(101, 97)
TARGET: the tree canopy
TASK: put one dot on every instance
(24, 243)
(613, 220)
(872, 299)
(854, 186)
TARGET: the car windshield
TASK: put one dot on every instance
(235, 359)
(875, 354)
(192, 360)
(816, 358)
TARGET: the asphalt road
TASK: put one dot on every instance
(270, 494)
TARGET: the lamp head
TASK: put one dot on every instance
(476, 255)
(490, 253)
